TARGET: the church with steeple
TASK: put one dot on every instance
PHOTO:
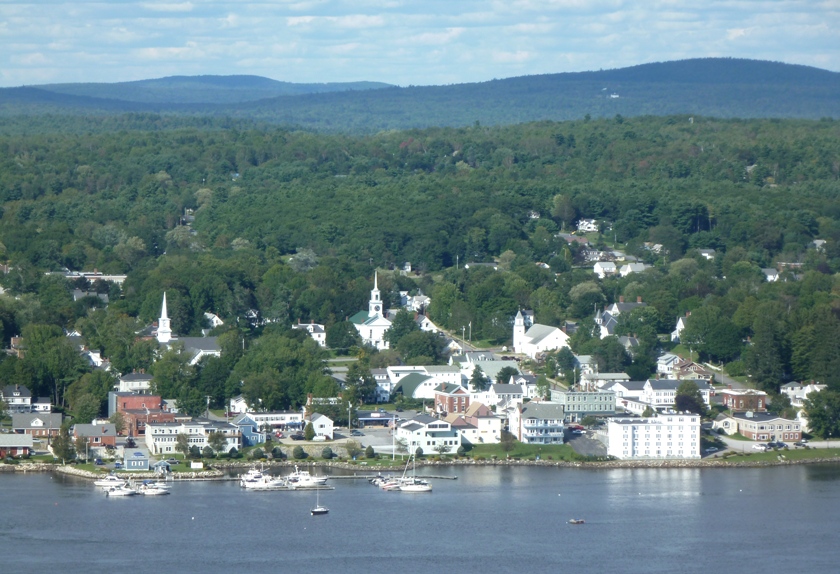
(373, 323)
(197, 347)
(537, 338)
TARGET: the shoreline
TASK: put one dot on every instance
(218, 471)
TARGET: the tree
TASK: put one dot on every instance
(309, 431)
(369, 452)
(327, 453)
(86, 408)
(648, 412)
(508, 441)
(402, 324)
(689, 399)
(442, 448)
(504, 375)
(217, 441)
(182, 444)
(353, 448)
(80, 445)
(360, 383)
(543, 387)
(822, 410)
(62, 444)
(342, 337)
(420, 347)
(478, 382)
(207, 452)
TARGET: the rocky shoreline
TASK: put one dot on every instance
(219, 470)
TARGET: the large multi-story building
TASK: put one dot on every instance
(538, 423)
(161, 438)
(669, 435)
(578, 404)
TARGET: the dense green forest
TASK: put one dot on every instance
(718, 87)
(265, 227)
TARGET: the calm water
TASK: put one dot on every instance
(489, 520)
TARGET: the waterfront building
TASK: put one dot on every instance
(538, 423)
(668, 435)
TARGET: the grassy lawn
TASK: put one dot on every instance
(739, 436)
(790, 454)
(525, 451)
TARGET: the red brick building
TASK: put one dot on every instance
(744, 400)
(451, 398)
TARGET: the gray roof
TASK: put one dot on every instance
(629, 385)
(107, 429)
(534, 410)
(136, 377)
(760, 417)
(538, 332)
(24, 420)
(10, 390)
(506, 389)
(15, 440)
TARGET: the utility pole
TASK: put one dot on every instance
(207, 413)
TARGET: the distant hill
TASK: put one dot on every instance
(718, 87)
(203, 89)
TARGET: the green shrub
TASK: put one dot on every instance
(327, 453)
(369, 452)
(298, 453)
(257, 453)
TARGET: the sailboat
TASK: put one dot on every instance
(318, 508)
(412, 483)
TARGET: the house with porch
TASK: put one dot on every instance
(580, 404)
(429, 434)
(760, 426)
(18, 398)
(538, 423)
(37, 424)
(479, 425)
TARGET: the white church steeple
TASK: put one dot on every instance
(375, 304)
(518, 332)
(164, 334)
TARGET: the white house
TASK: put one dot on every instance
(478, 425)
(669, 435)
(770, 275)
(587, 226)
(238, 405)
(18, 399)
(322, 424)
(604, 268)
(538, 423)
(196, 347)
(135, 383)
(429, 434)
(629, 268)
(675, 334)
(537, 339)
(373, 323)
(798, 392)
(277, 419)
(315, 330)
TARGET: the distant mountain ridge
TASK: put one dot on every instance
(718, 87)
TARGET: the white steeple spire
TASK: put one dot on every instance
(164, 334)
(375, 304)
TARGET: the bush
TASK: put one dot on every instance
(461, 451)
(418, 452)
(207, 452)
(257, 453)
(736, 369)
(195, 452)
(369, 452)
(278, 453)
(327, 453)
(298, 453)
(234, 453)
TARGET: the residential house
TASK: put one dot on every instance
(249, 430)
(587, 226)
(135, 383)
(322, 425)
(708, 254)
(18, 398)
(277, 420)
(528, 384)
(630, 268)
(604, 269)
(770, 275)
(37, 424)
(315, 330)
(579, 404)
(744, 400)
(429, 434)
(238, 404)
(41, 405)
(798, 392)
(502, 394)
(659, 393)
(13, 444)
(538, 423)
(675, 334)
(591, 380)
(668, 435)
(100, 435)
(607, 320)
(479, 425)
(537, 339)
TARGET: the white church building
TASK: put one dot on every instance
(537, 338)
(373, 323)
(196, 347)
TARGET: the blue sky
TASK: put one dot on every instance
(398, 41)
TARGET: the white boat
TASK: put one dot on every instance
(257, 480)
(253, 475)
(412, 483)
(302, 479)
(153, 488)
(120, 491)
(109, 481)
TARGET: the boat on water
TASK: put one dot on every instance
(411, 483)
(109, 481)
(120, 491)
(577, 521)
(256, 479)
(318, 509)
(153, 488)
(303, 479)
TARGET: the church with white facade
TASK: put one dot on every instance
(373, 323)
(197, 347)
(537, 338)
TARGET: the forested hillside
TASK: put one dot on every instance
(290, 226)
(719, 87)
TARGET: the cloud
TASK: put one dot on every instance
(168, 6)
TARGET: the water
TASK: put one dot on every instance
(496, 519)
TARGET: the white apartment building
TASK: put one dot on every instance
(669, 435)
(161, 438)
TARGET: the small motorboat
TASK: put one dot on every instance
(109, 481)
(577, 521)
(151, 488)
(120, 491)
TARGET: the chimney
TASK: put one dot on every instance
(621, 298)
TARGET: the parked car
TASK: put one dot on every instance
(173, 461)
(761, 447)
(800, 443)
(297, 436)
(399, 409)
(98, 462)
(781, 445)
(319, 438)
(118, 464)
(355, 432)
(712, 449)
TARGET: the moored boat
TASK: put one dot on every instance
(120, 491)
(303, 479)
(577, 521)
(109, 481)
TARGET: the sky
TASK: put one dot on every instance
(403, 42)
